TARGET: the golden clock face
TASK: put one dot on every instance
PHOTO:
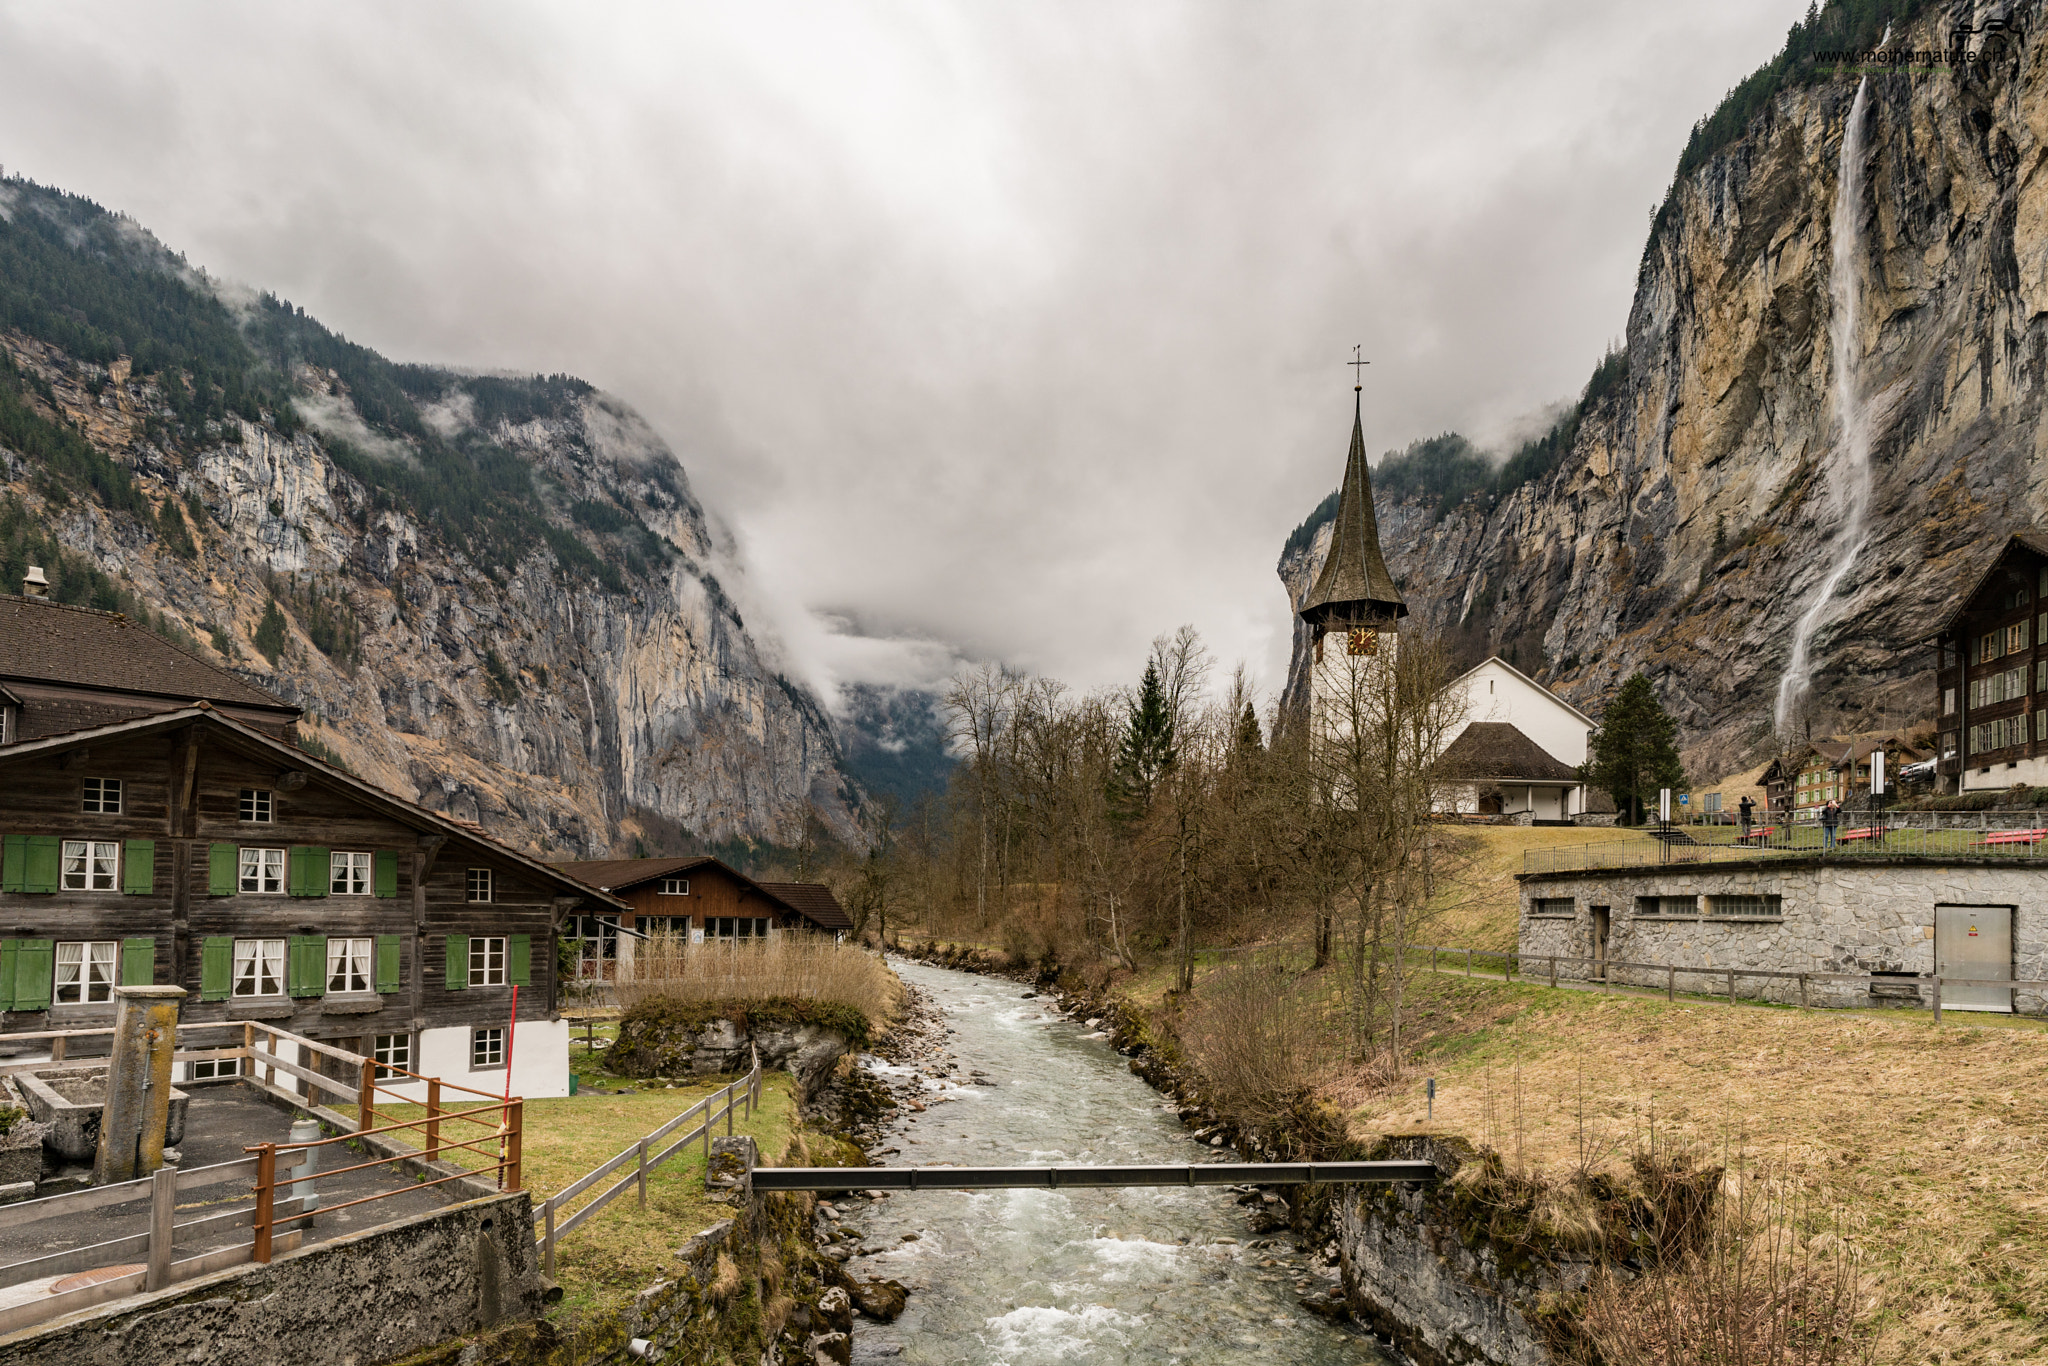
(1362, 640)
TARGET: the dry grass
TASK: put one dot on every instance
(1477, 903)
(1930, 1142)
(797, 967)
(624, 1247)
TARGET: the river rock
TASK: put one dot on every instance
(830, 1347)
(650, 1046)
(880, 1300)
(835, 1307)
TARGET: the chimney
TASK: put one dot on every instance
(35, 585)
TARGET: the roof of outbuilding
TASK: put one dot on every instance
(621, 874)
(1497, 750)
(50, 642)
(812, 900)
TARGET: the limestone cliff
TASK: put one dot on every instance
(1693, 510)
(497, 596)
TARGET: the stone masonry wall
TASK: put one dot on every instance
(1845, 916)
(370, 1296)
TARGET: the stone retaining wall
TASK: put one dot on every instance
(1839, 916)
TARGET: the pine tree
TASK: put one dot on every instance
(1250, 740)
(1147, 750)
(1634, 753)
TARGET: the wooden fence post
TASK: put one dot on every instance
(366, 1099)
(547, 1255)
(433, 1118)
(728, 1110)
(1553, 970)
(643, 1173)
(57, 1049)
(266, 1192)
(1731, 986)
(163, 1215)
(1671, 983)
(1937, 998)
(1468, 962)
(1802, 991)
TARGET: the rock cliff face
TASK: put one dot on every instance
(573, 682)
(1695, 512)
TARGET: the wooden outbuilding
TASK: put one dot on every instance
(697, 898)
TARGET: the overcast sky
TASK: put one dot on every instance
(1017, 329)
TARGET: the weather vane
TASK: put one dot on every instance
(1357, 369)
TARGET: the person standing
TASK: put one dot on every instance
(1747, 810)
(1830, 817)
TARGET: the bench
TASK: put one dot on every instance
(2011, 837)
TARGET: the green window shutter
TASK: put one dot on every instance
(458, 961)
(221, 871)
(14, 864)
(9, 949)
(138, 962)
(386, 863)
(44, 853)
(307, 871)
(387, 963)
(217, 961)
(306, 965)
(519, 960)
(138, 867)
(35, 965)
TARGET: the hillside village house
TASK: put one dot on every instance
(698, 899)
(162, 826)
(1831, 770)
(1893, 919)
(1991, 667)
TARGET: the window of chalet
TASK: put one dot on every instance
(486, 961)
(91, 865)
(348, 874)
(678, 925)
(348, 965)
(2018, 636)
(480, 884)
(85, 971)
(102, 797)
(1987, 647)
(487, 1048)
(259, 967)
(211, 1069)
(1948, 695)
(262, 870)
(675, 886)
(393, 1053)
(730, 927)
(257, 806)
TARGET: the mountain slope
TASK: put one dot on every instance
(496, 595)
(1692, 506)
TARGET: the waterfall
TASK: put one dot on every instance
(1849, 489)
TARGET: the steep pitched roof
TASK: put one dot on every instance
(1354, 574)
(49, 642)
(251, 741)
(2031, 539)
(1496, 750)
(812, 900)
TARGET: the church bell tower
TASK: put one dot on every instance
(1353, 610)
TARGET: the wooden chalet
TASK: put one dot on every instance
(1991, 672)
(697, 898)
(189, 843)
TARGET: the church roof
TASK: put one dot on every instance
(1354, 575)
(1497, 751)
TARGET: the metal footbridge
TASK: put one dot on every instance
(1075, 1177)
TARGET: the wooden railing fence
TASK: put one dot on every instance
(743, 1095)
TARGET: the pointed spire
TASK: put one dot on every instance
(1354, 584)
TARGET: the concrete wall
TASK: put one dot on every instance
(540, 1060)
(1839, 916)
(368, 1297)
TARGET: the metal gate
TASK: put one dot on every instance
(1974, 941)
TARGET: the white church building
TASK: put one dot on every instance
(1517, 752)
(1519, 749)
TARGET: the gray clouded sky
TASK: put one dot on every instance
(1017, 328)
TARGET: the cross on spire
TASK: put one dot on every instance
(1357, 369)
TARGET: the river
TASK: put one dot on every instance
(1162, 1274)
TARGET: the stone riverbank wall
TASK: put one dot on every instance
(1850, 914)
(367, 1297)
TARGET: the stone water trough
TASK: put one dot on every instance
(67, 1102)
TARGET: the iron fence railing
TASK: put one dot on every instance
(1890, 840)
